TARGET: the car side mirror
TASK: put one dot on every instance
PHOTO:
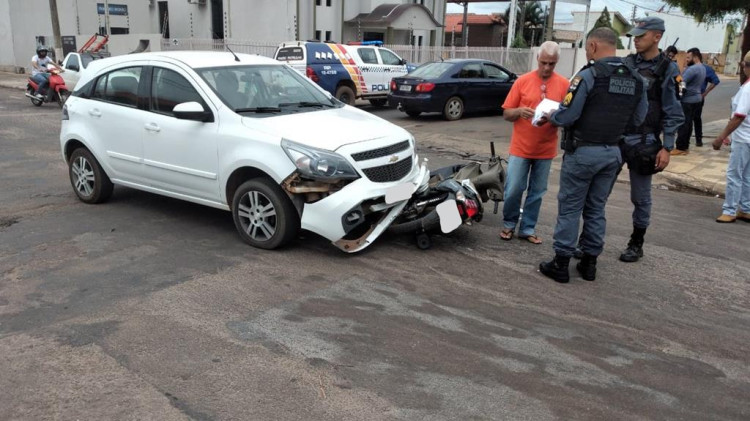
(192, 111)
(403, 62)
(73, 67)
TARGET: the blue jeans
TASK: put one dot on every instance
(42, 81)
(738, 180)
(523, 174)
(586, 180)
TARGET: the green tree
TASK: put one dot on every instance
(605, 21)
(530, 20)
(709, 11)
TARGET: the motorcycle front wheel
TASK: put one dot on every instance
(62, 96)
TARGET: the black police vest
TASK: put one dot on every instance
(654, 76)
(610, 104)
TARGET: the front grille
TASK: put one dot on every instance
(378, 153)
(390, 172)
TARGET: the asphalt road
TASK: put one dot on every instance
(151, 308)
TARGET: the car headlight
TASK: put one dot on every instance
(316, 163)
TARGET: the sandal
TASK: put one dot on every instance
(506, 234)
(533, 239)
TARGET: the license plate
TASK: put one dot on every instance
(398, 193)
(450, 219)
(405, 88)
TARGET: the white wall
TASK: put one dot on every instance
(707, 38)
(7, 53)
(261, 20)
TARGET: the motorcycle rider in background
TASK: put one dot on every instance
(39, 72)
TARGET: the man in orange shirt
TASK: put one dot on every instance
(531, 148)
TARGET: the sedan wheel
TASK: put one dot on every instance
(454, 108)
(263, 214)
(89, 181)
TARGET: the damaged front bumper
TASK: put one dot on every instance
(353, 217)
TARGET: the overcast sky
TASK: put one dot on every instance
(562, 10)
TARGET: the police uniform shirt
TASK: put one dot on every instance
(571, 108)
(670, 105)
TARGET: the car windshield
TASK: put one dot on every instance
(265, 89)
(431, 70)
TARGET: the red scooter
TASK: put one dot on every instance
(56, 91)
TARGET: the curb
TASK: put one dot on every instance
(684, 180)
(12, 85)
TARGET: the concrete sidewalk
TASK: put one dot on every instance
(703, 169)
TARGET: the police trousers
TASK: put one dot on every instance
(640, 189)
(586, 180)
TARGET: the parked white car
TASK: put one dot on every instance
(241, 133)
(75, 64)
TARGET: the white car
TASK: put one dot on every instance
(242, 133)
(75, 64)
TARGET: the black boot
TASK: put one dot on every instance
(635, 246)
(587, 267)
(556, 269)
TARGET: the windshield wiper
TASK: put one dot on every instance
(258, 110)
(305, 104)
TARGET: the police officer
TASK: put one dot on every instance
(664, 114)
(603, 98)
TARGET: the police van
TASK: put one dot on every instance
(348, 71)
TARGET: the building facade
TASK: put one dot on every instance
(27, 23)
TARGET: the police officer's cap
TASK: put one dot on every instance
(646, 24)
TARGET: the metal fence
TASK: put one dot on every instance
(517, 60)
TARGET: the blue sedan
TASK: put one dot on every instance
(451, 87)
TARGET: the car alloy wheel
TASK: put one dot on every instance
(90, 183)
(263, 214)
(454, 108)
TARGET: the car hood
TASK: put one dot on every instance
(327, 129)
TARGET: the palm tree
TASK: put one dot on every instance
(530, 19)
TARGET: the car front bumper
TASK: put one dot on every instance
(326, 216)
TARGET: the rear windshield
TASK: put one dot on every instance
(290, 53)
(431, 70)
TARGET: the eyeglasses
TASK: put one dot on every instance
(544, 90)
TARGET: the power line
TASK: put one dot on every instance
(658, 11)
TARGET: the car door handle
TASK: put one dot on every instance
(153, 127)
(95, 113)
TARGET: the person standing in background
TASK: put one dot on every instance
(693, 76)
(709, 83)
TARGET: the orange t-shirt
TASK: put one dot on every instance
(528, 141)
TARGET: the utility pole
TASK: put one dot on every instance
(550, 21)
(632, 22)
(465, 28)
(56, 29)
(544, 28)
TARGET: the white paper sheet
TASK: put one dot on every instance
(544, 107)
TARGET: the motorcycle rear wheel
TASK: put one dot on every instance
(36, 102)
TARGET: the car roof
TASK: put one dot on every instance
(194, 59)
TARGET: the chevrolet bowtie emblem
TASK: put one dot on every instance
(394, 158)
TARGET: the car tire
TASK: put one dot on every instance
(345, 94)
(263, 214)
(413, 113)
(453, 109)
(89, 181)
(379, 102)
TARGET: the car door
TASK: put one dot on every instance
(500, 83)
(73, 67)
(372, 70)
(113, 118)
(393, 66)
(180, 156)
(473, 86)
